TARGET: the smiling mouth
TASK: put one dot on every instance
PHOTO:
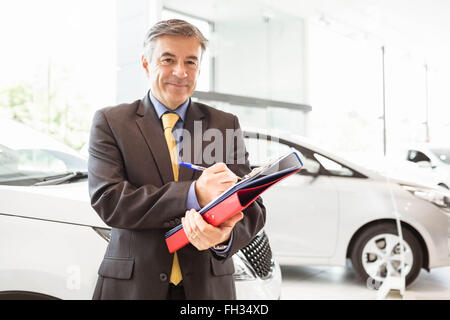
(177, 85)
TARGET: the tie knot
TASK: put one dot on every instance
(169, 120)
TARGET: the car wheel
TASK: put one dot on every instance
(376, 254)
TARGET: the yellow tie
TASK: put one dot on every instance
(169, 120)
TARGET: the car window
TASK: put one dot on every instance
(262, 150)
(333, 167)
(27, 155)
(416, 156)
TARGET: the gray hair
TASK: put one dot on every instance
(173, 27)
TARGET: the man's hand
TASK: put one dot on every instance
(202, 235)
(213, 181)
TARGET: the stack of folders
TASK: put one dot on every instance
(239, 196)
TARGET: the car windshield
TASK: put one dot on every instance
(442, 153)
(28, 156)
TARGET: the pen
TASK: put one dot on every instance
(192, 166)
(196, 167)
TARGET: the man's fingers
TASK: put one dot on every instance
(236, 218)
(203, 235)
(200, 229)
(231, 180)
(192, 222)
(233, 220)
(186, 225)
(226, 177)
(189, 226)
(221, 168)
(218, 167)
(197, 225)
(200, 224)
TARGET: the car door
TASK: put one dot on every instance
(302, 210)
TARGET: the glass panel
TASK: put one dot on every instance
(332, 166)
(416, 156)
(27, 154)
(261, 151)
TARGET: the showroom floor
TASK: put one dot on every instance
(343, 283)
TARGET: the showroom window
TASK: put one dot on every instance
(58, 64)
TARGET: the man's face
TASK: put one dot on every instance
(173, 69)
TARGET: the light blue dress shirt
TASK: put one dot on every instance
(191, 202)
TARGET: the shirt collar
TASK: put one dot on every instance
(161, 109)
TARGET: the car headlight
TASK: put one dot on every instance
(243, 271)
(437, 197)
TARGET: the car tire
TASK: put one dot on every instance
(372, 261)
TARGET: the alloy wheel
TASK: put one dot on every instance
(381, 257)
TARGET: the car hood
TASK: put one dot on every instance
(401, 172)
(67, 203)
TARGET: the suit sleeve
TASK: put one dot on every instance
(119, 203)
(255, 214)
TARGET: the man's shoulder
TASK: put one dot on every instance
(120, 110)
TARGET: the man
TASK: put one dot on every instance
(137, 187)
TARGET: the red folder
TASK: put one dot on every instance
(236, 199)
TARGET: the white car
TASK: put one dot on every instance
(52, 242)
(334, 209)
(432, 161)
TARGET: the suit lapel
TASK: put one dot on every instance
(151, 128)
(195, 124)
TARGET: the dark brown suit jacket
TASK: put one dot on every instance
(132, 189)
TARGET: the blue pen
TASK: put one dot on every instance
(195, 167)
(192, 166)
